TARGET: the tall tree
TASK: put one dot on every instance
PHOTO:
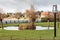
(32, 17)
(18, 15)
(1, 18)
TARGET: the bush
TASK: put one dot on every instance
(27, 27)
(50, 19)
(43, 19)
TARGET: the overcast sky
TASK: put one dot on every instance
(22, 5)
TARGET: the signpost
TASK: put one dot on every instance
(55, 12)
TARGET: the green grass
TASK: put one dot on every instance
(29, 34)
(11, 24)
(44, 24)
(43, 34)
(37, 24)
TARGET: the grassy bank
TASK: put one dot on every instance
(37, 24)
(28, 34)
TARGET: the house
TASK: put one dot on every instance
(50, 14)
(46, 14)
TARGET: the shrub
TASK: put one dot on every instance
(50, 19)
(27, 27)
(43, 19)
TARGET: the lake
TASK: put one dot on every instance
(37, 28)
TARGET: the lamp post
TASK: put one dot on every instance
(55, 12)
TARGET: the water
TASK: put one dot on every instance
(37, 28)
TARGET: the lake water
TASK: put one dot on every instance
(37, 28)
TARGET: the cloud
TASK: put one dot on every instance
(24, 4)
(45, 2)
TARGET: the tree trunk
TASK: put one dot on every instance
(58, 21)
(2, 25)
(32, 22)
(33, 26)
(48, 24)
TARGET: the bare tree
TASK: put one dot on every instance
(58, 18)
(32, 17)
(1, 16)
(48, 19)
(18, 15)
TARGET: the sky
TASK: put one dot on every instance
(22, 5)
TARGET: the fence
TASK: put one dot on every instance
(25, 38)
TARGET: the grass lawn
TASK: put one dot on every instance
(29, 34)
(37, 24)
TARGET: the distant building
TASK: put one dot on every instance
(38, 14)
(45, 14)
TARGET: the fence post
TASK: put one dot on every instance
(54, 38)
(10, 37)
(25, 38)
(40, 37)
